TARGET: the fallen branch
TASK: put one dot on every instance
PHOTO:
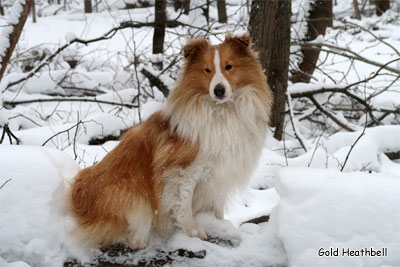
(158, 257)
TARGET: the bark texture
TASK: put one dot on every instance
(88, 6)
(270, 29)
(14, 36)
(33, 12)
(159, 29)
(221, 5)
(319, 19)
(186, 7)
(381, 6)
(357, 9)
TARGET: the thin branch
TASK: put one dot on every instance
(345, 52)
(354, 144)
(108, 35)
(14, 103)
(295, 130)
(5, 183)
(373, 35)
(330, 115)
(7, 130)
(65, 131)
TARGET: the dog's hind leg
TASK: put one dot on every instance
(140, 222)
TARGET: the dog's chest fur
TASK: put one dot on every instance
(231, 137)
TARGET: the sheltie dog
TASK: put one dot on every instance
(187, 158)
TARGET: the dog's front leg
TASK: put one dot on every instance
(177, 200)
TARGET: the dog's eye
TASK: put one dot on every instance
(228, 67)
(208, 70)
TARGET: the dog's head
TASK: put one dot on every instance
(219, 70)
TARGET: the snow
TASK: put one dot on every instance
(196, 18)
(307, 87)
(328, 209)
(29, 229)
(311, 204)
(12, 20)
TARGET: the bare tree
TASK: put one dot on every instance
(186, 7)
(206, 10)
(319, 19)
(33, 12)
(270, 28)
(221, 5)
(381, 6)
(14, 36)
(159, 29)
(88, 6)
(1, 8)
(357, 9)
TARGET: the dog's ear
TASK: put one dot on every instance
(241, 41)
(194, 47)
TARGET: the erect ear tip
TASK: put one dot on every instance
(193, 46)
(243, 39)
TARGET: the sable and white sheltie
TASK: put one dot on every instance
(186, 158)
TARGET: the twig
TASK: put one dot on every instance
(108, 35)
(295, 130)
(345, 52)
(353, 145)
(375, 36)
(358, 138)
(330, 115)
(5, 183)
(65, 131)
(7, 130)
(315, 150)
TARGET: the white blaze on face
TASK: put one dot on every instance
(219, 79)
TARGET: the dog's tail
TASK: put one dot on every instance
(67, 168)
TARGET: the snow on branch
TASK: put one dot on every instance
(10, 34)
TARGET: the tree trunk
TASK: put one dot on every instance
(14, 36)
(381, 6)
(357, 9)
(159, 29)
(186, 7)
(269, 27)
(33, 11)
(319, 19)
(1, 8)
(206, 11)
(88, 6)
(221, 5)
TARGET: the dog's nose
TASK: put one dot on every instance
(219, 91)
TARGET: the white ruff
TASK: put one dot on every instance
(231, 136)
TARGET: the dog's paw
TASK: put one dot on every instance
(195, 232)
(135, 245)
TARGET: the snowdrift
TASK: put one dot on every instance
(322, 211)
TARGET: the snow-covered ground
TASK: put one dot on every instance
(315, 209)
